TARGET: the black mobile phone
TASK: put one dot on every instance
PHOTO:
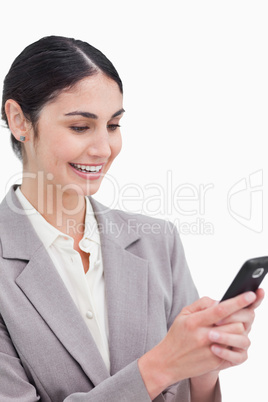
(248, 278)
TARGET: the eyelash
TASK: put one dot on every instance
(82, 129)
(113, 127)
(78, 129)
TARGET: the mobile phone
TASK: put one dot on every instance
(248, 278)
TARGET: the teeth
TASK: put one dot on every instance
(86, 168)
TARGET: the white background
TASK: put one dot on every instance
(196, 96)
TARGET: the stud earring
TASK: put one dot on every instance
(22, 138)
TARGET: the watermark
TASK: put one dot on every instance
(185, 201)
(166, 199)
(197, 227)
(185, 204)
(245, 201)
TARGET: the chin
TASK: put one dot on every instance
(78, 189)
(89, 189)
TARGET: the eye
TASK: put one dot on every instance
(79, 129)
(113, 127)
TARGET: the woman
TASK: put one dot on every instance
(95, 304)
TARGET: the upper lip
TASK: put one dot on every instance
(87, 164)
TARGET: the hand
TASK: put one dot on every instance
(188, 350)
(232, 348)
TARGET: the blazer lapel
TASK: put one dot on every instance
(43, 286)
(126, 282)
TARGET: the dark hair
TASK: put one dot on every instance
(44, 69)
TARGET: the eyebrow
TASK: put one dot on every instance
(89, 115)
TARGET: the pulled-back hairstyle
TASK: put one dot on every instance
(44, 69)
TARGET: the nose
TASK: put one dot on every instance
(100, 145)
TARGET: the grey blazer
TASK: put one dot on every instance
(46, 350)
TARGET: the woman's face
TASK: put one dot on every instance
(78, 136)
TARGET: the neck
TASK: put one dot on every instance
(64, 210)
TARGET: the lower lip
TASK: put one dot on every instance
(87, 176)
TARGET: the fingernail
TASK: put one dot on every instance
(250, 297)
(216, 349)
(214, 336)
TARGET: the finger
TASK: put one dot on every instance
(199, 305)
(234, 357)
(223, 310)
(260, 296)
(233, 328)
(229, 340)
(245, 316)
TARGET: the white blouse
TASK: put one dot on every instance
(87, 290)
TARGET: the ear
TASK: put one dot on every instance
(17, 122)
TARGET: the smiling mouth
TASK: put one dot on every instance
(86, 168)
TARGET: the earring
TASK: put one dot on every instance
(22, 138)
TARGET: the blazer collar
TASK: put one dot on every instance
(113, 228)
(126, 282)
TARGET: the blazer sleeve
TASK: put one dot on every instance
(184, 294)
(14, 382)
(125, 386)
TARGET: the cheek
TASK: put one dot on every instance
(56, 143)
(64, 151)
(57, 156)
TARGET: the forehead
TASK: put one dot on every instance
(94, 94)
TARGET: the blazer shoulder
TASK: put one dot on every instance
(150, 229)
(145, 223)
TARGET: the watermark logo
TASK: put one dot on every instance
(245, 201)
